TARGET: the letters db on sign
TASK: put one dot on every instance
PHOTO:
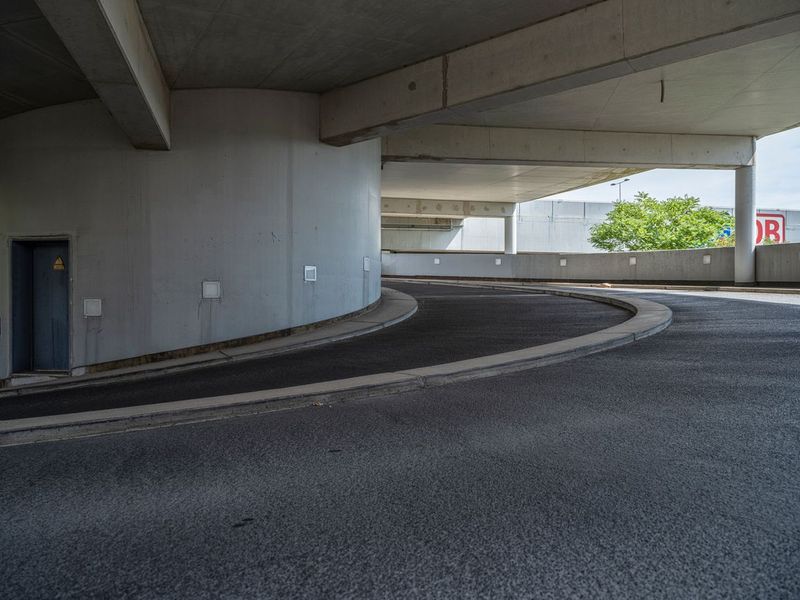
(770, 226)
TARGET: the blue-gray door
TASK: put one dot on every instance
(21, 307)
(50, 307)
(40, 306)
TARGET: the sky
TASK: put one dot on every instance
(777, 180)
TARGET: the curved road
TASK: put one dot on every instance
(452, 323)
(669, 468)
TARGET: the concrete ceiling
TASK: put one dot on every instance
(35, 68)
(308, 45)
(492, 183)
(315, 45)
(750, 90)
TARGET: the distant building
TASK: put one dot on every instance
(543, 226)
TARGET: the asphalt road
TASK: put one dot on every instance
(452, 323)
(669, 468)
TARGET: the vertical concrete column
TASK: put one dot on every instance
(511, 232)
(745, 258)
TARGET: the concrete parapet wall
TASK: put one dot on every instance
(703, 265)
(779, 263)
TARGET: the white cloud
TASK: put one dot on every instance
(777, 179)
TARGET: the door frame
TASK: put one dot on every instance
(33, 238)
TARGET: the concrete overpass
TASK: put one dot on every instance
(176, 175)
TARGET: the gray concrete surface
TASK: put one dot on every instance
(779, 296)
(112, 47)
(448, 323)
(484, 181)
(40, 70)
(665, 265)
(775, 264)
(779, 263)
(548, 147)
(665, 469)
(510, 234)
(609, 41)
(745, 214)
(393, 307)
(315, 46)
(451, 209)
(307, 47)
(232, 202)
(649, 318)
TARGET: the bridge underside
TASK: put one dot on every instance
(214, 169)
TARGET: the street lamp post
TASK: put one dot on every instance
(619, 186)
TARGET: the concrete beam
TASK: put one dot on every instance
(448, 209)
(109, 41)
(505, 145)
(606, 40)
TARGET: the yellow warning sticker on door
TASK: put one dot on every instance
(58, 265)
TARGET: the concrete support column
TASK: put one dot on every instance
(511, 232)
(745, 261)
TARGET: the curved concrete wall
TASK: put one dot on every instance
(775, 264)
(246, 196)
(701, 265)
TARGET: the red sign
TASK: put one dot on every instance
(770, 226)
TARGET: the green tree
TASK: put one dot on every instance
(649, 224)
(730, 241)
(726, 241)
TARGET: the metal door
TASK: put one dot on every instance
(50, 282)
(21, 306)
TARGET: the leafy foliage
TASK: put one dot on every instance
(726, 241)
(649, 224)
(730, 241)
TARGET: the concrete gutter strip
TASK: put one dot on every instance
(764, 289)
(394, 308)
(132, 418)
(649, 318)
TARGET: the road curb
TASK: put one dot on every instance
(793, 291)
(649, 318)
(395, 307)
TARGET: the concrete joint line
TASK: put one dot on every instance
(648, 319)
